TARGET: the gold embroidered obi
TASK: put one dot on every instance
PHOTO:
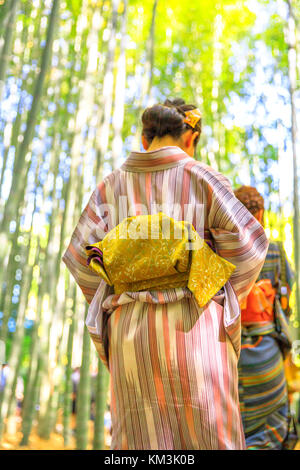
(155, 252)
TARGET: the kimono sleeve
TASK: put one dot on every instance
(90, 228)
(238, 236)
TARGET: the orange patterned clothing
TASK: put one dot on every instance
(259, 304)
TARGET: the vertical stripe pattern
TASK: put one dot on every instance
(173, 366)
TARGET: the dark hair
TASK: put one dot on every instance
(167, 119)
(250, 197)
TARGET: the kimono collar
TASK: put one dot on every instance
(161, 159)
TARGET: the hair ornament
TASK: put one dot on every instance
(192, 117)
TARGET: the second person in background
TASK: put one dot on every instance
(262, 382)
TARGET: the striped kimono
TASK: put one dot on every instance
(173, 365)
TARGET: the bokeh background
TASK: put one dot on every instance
(75, 76)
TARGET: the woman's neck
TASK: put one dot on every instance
(164, 142)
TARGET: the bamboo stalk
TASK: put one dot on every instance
(292, 69)
(20, 173)
(84, 394)
(102, 381)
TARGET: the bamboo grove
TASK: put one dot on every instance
(75, 76)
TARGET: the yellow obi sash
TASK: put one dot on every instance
(155, 252)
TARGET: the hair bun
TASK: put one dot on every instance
(167, 119)
(250, 197)
(160, 120)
